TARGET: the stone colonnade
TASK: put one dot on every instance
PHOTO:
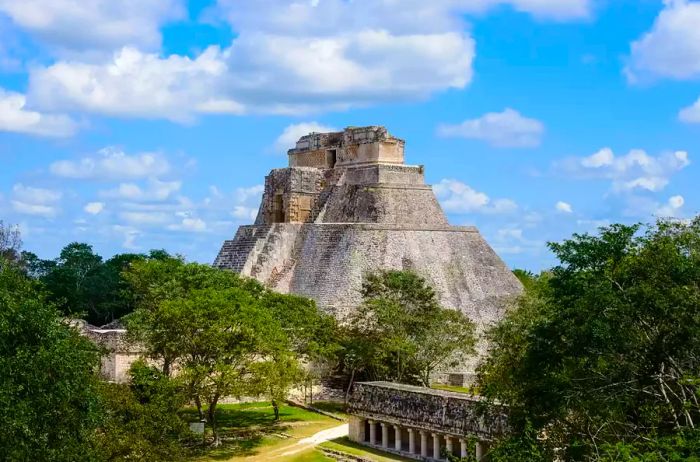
(411, 442)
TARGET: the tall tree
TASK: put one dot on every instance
(225, 335)
(400, 332)
(49, 394)
(603, 349)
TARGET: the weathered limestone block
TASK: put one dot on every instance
(443, 413)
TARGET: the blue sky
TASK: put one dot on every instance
(139, 124)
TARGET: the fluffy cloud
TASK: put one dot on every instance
(501, 129)
(636, 170)
(112, 164)
(563, 207)
(691, 114)
(155, 191)
(94, 208)
(457, 197)
(138, 84)
(672, 47)
(284, 59)
(672, 208)
(292, 133)
(35, 201)
(190, 224)
(15, 117)
(94, 24)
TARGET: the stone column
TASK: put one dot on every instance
(462, 448)
(372, 432)
(436, 446)
(423, 444)
(481, 450)
(397, 437)
(385, 435)
(448, 444)
(356, 430)
(411, 441)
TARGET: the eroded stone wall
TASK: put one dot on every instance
(445, 412)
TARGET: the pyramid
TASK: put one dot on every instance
(346, 206)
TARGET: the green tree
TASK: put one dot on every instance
(602, 350)
(225, 335)
(140, 420)
(49, 392)
(400, 332)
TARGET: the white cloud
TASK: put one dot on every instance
(457, 197)
(635, 170)
(672, 47)
(35, 201)
(285, 59)
(144, 218)
(502, 129)
(189, 224)
(291, 134)
(112, 164)
(672, 208)
(94, 24)
(563, 207)
(15, 117)
(155, 191)
(136, 84)
(94, 208)
(690, 114)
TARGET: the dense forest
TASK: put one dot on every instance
(597, 360)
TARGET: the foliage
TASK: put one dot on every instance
(10, 242)
(225, 334)
(141, 420)
(81, 284)
(603, 349)
(49, 396)
(401, 333)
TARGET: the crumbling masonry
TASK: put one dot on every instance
(347, 205)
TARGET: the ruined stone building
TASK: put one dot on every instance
(423, 423)
(347, 205)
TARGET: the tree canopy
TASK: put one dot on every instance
(49, 391)
(601, 354)
(400, 332)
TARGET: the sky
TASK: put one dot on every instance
(139, 124)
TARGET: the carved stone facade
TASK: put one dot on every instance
(422, 423)
(347, 205)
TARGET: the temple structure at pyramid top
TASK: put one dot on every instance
(347, 205)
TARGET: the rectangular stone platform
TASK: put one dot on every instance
(421, 422)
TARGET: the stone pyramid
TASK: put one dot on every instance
(348, 205)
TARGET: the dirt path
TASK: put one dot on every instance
(311, 441)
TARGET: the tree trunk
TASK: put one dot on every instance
(276, 408)
(212, 420)
(198, 402)
(347, 392)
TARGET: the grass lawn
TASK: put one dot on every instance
(332, 407)
(455, 388)
(249, 432)
(350, 447)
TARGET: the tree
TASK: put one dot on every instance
(49, 392)
(401, 333)
(10, 242)
(275, 376)
(225, 335)
(140, 420)
(602, 350)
